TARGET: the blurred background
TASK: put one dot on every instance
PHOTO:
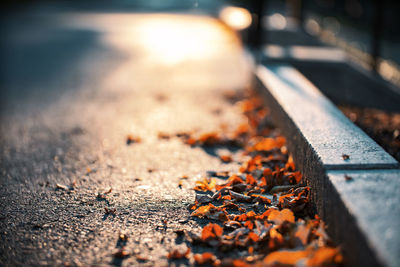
(349, 48)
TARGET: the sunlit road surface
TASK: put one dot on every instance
(76, 86)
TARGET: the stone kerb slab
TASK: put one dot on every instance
(359, 214)
(372, 198)
(331, 134)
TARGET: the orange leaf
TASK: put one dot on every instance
(250, 180)
(241, 130)
(121, 253)
(201, 211)
(225, 158)
(162, 135)
(285, 257)
(279, 217)
(250, 215)
(263, 182)
(290, 164)
(234, 179)
(240, 218)
(265, 214)
(262, 199)
(247, 105)
(302, 233)
(251, 250)
(190, 141)
(205, 185)
(209, 139)
(211, 231)
(249, 224)
(211, 212)
(324, 256)
(267, 172)
(269, 143)
(205, 258)
(227, 197)
(239, 263)
(297, 176)
(276, 238)
(253, 237)
(130, 139)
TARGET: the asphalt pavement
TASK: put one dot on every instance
(74, 85)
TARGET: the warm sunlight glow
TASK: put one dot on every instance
(170, 50)
(236, 17)
(172, 39)
(175, 40)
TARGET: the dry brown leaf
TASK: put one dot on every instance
(285, 257)
(278, 217)
(205, 185)
(302, 233)
(268, 143)
(121, 253)
(211, 231)
(324, 256)
(204, 258)
(226, 158)
(131, 139)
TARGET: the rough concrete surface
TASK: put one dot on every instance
(107, 78)
(330, 133)
(372, 197)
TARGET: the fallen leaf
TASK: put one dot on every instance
(226, 158)
(324, 256)
(240, 263)
(204, 258)
(302, 233)
(209, 139)
(250, 180)
(205, 185)
(141, 257)
(255, 221)
(290, 164)
(285, 257)
(268, 143)
(121, 253)
(253, 237)
(211, 212)
(278, 217)
(211, 231)
(131, 139)
(162, 135)
(108, 191)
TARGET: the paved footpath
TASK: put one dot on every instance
(74, 87)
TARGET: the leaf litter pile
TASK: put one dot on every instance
(258, 216)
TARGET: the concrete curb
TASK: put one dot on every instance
(319, 135)
(340, 79)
